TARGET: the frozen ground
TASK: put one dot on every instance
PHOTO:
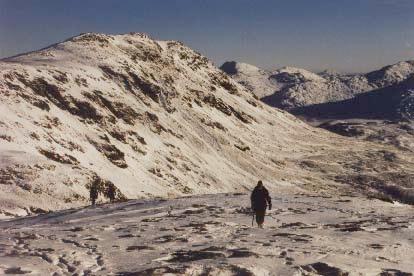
(212, 235)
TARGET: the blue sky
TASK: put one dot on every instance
(347, 36)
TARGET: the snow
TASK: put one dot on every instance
(303, 235)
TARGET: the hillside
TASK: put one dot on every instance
(156, 118)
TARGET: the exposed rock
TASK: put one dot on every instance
(64, 159)
(111, 152)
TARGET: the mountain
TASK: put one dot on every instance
(393, 102)
(153, 117)
(391, 74)
(298, 88)
(257, 80)
(156, 118)
(295, 87)
(302, 88)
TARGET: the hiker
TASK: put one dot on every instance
(93, 192)
(260, 199)
(110, 192)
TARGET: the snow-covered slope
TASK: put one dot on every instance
(153, 117)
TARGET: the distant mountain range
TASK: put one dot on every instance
(386, 93)
(393, 102)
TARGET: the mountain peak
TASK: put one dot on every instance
(253, 78)
(234, 67)
(101, 37)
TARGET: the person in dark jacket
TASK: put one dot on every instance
(93, 192)
(260, 200)
(111, 192)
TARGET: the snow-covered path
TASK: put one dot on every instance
(212, 235)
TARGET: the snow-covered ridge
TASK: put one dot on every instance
(153, 117)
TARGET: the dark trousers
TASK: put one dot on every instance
(260, 215)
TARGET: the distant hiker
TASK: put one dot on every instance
(111, 192)
(93, 192)
(260, 199)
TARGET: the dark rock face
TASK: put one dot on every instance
(134, 84)
(221, 79)
(118, 109)
(229, 67)
(65, 159)
(220, 105)
(103, 185)
(55, 95)
(111, 152)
